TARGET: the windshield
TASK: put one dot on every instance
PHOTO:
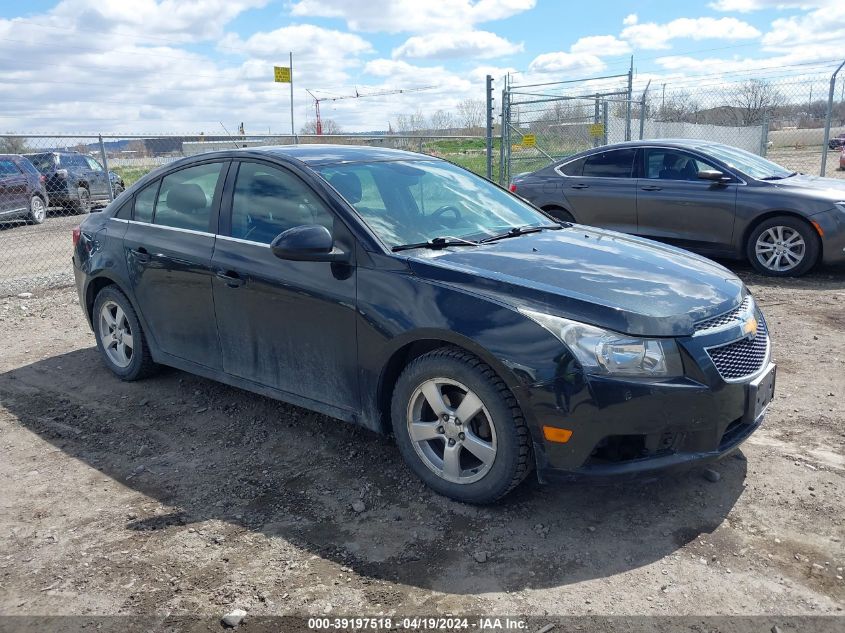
(746, 162)
(406, 202)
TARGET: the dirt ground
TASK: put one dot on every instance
(178, 495)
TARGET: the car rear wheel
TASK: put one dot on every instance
(83, 203)
(120, 339)
(559, 213)
(459, 428)
(783, 246)
(37, 210)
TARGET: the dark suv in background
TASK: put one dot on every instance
(22, 191)
(74, 180)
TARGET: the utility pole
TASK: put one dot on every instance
(489, 93)
(292, 132)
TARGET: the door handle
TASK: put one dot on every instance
(651, 188)
(231, 278)
(141, 254)
(580, 186)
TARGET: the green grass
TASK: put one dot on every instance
(131, 175)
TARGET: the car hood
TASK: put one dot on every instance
(817, 187)
(604, 278)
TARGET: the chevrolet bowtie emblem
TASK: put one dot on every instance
(749, 327)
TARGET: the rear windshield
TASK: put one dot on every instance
(42, 162)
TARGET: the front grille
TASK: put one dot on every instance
(724, 319)
(742, 358)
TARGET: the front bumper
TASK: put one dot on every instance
(632, 427)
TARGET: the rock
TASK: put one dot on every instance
(711, 475)
(480, 557)
(233, 618)
(358, 506)
(25, 295)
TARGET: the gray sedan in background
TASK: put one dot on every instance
(714, 199)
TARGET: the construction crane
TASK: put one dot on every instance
(357, 95)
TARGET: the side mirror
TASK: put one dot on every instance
(715, 175)
(307, 243)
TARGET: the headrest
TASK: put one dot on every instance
(348, 185)
(187, 197)
(268, 187)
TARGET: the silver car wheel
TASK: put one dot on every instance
(451, 431)
(116, 334)
(780, 248)
(37, 210)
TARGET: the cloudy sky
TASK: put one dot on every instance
(148, 66)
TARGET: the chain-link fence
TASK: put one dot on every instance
(795, 119)
(48, 182)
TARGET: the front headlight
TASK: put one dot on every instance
(610, 353)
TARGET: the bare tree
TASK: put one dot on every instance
(13, 145)
(471, 113)
(756, 100)
(330, 126)
(677, 107)
(413, 122)
(442, 121)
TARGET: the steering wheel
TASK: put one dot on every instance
(447, 208)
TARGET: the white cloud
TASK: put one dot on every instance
(822, 25)
(630, 19)
(478, 44)
(651, 35)
(395, 16)
(561, 62)
(601, 45)
(747, 6)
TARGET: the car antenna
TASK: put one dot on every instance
(230, 136)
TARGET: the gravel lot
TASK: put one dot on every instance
(178, 495)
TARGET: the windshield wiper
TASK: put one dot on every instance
(516, 231)
(435, 242)
(794, 173)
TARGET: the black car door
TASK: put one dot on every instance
(99, 184)
(675, 205)
(289, 325)
(13, 188)
(168, 245)
(601, 189)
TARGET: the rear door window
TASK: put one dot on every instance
(145, 202)
(8, 168)
(185, 197)
(73, 160)
(618, 163)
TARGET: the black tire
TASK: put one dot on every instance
(788, 225)
(82, 206)
(560, 214)
(141, 364)
(37, 210)
(513, 458)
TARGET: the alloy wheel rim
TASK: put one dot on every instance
(780, 248)
(451, 431)
(116, 334)
(37, 208)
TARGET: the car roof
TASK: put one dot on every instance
(318, 154)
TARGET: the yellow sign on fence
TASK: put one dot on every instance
(281, 74)
(529, 140)
(597, 130)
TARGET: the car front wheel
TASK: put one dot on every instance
(120, 339)
(459, 428)
(783, 246)
(83, 202)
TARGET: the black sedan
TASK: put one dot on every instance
(716, 200)
(405, 294)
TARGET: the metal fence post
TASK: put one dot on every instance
(827, 117)
(106, 166)
(642, 109)
(628, 102)
(604, 121)
(489, 140)
(596, 115)
(764, 134)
